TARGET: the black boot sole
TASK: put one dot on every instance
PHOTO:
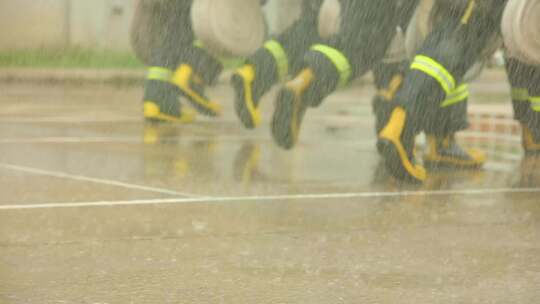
(240, 107)
(200, 108)
(393, 162)
(283, 119)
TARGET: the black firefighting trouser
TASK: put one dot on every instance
(366, 32)
(162, 36)
(283, 55)
(525, 83)
(461, 31)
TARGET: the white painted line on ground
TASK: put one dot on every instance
(292, 197)
(101, 181)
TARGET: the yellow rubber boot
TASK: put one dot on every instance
(445, 152)
(397, 149)
(154, 112)
(161, 104)
(290, 108)
(383, 102)
(245, 103)
(192, 87)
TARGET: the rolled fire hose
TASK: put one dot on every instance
(229, 27)
(419, 27)
(330, 23)
(521, 30)
(396, 51)
(329, 18)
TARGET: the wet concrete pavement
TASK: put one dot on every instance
(97, 207)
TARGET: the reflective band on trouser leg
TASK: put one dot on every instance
(520, 94)
(159, 73)
(460, 94)
(437, 71)
(339, 60)
(535, 103)
(282, 61)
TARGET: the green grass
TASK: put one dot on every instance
(69, 58)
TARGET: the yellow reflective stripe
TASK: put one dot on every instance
(435, 70)
(459, 95)
(280, 56)
(520, 94)
(535, 103)
(159, 73)
(339, 60)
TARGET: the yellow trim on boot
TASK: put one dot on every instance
(247, 73)
(182, 77)
(298, 86)
(390, 92)
(478, 157)
(468, 12)
(152, 111)
(301, 82)
(392, 132)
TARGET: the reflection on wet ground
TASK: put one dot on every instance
(98, 207)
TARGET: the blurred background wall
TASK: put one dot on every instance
(32, 23)
(27, 24)
(102, 24)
